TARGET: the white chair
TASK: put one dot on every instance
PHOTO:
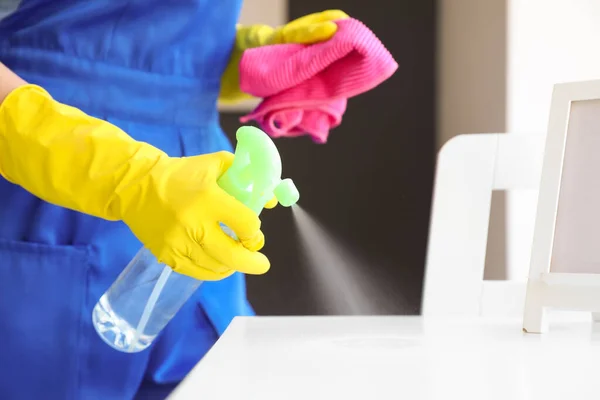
(469, 168)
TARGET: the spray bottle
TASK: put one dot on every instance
(148, 294)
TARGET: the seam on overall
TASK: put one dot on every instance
(181, 142)
(79, 381)
(57, 52)
(113, 30)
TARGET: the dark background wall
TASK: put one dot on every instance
(370, 185)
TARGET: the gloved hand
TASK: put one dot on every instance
(173, 205)
(309, 29)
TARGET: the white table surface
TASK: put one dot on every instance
(408, 358)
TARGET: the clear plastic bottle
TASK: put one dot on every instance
(141, 302)
(148, 294)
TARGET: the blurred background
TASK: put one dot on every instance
(369, 186)
(466, 66)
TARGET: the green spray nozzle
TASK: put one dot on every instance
(255, 174)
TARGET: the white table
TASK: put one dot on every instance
(408, 358)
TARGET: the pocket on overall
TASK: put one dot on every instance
(42, 301)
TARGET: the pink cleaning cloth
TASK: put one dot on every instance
(305, 88)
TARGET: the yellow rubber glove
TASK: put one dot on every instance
(309, 29)
(173, 205)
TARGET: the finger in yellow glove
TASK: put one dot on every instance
(173, 205)
(309, 29)
(272, 203)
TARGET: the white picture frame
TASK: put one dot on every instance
(565, 260)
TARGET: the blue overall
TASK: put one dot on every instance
(153, 68)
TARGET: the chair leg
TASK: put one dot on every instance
(534, 318)
(535, 321)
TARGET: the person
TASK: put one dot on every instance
(110, 140)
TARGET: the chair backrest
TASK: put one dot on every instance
(469, 168)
